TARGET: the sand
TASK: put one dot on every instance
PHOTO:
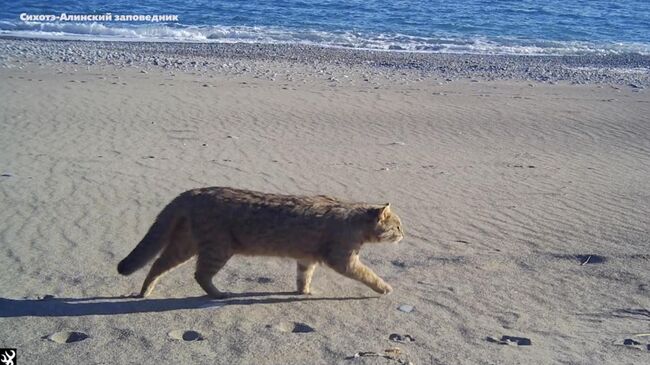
(525, 206)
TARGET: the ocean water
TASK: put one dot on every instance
(556, 27)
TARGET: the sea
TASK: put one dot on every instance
(540, 27)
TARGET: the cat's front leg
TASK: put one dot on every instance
(374, 281)
(354, 269)
(305, 271)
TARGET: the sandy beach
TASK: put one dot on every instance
(523, 185)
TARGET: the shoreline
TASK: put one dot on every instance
(626, 69)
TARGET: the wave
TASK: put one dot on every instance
(346, 39)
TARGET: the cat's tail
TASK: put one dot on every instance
(156, 239)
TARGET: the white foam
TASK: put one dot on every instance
(275, 35)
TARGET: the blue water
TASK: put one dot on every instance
(464, 26)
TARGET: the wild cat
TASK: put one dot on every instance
(218, 222)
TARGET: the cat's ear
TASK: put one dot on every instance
(380, 213)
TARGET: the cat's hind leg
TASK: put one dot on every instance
(305, 270)
(351, 267)
(167, 261)
(212, 258)
(180, 249)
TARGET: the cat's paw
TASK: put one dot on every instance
(388, 289)
(384, 289)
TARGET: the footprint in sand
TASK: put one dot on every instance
(185, 335)
(67, 337)
(293, 327)
(399, 263)
(508, 319)
(396, 337)
(632, 343)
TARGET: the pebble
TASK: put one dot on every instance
(406, 308)
(511, 340)
(335, 61)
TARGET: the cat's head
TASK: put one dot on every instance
(386, 225)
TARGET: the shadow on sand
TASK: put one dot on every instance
(70, 307)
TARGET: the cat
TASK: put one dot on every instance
(216, 223)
